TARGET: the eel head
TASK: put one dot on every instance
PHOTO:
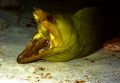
(51, 41)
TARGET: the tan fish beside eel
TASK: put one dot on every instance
(64, 36)
(113, 44)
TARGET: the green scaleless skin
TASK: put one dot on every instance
(62, 37)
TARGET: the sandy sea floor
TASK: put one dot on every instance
(100, 67)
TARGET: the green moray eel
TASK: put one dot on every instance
(65, 36)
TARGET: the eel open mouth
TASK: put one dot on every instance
(42, 42)
(33, 50)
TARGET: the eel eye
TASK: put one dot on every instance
(50, 17)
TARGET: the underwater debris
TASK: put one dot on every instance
(3, 24)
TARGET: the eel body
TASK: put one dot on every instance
(64, 36)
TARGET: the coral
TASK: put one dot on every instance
(3, 24)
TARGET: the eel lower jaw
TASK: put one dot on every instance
(36, 49)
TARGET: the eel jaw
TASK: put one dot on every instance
(36, 49)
